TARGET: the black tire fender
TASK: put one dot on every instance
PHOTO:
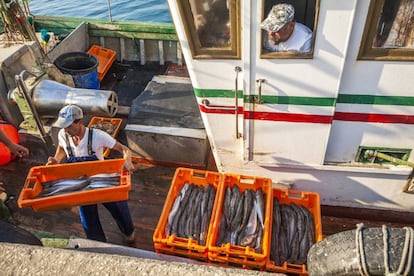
(338, 255)
(14, 234)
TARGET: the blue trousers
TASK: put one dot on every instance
(92, 225)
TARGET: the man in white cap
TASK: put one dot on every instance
(78, 143)
(283, 33)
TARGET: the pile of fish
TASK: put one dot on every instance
(191, 212)
(105, 126)
(68, 185)
(242, 220)
(293, 233)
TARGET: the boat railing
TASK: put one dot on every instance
(133, 41)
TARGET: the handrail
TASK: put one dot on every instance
(258, 99)
(207, 106)
(237, 69)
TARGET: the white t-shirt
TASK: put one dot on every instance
(100, 141)
(300, 40)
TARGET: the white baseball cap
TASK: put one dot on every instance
(67, 115)
(279, 16)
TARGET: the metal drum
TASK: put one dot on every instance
(50, 96)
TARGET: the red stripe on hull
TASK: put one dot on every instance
(374, 118)
(307, 118)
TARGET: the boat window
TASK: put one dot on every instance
(212, 27)
(389, 31)
(288, 28)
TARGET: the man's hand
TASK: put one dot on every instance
(51, 160)
(129, 166)
(18, 150)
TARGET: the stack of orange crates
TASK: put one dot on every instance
(105, 57)
(40, 174)
(179, 246)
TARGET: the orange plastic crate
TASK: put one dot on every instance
(310, 201)
(106, 58)
(37, 175)
(179, 246)
(228, 254)
(101, 122)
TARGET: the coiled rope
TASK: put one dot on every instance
(362, 262)
(406, 256)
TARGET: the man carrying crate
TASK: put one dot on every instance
(78, 143)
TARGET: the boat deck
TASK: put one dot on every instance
(150, 184)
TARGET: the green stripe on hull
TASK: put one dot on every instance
(373, 99)
(222, 93)
(295, 100)
(216, 93)
(316, 101)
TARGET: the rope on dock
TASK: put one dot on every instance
(406, 256)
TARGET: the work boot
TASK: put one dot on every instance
(130, 238)
(4, 210)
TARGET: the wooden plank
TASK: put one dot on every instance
(161, 52)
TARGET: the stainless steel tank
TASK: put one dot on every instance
(50, 96)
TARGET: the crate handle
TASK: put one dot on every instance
(199, 173)
(30, 183)
(296, 268)
(295, 194)
(248, 181)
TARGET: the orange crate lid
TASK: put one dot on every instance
(106, 58)
(40, 174)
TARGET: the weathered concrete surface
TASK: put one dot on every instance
(19, 259)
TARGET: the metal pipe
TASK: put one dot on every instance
(387, 157)
(109, 10)
(237, 69)
(21, 86)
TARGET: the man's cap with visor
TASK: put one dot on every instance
(279, 16)
(67, 115)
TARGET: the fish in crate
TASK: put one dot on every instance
(184, 225)
(240, 235)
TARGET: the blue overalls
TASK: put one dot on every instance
(89, 213)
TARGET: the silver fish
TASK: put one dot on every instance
(238, 215)
(260, 202)
(250, 230)
(276, 225)
(206, 215)
(62, 186)
(174, 208)
(258, 247)
(221, 231)
(248, 205)
(177, 218)
(235, 198)
(226, 205)
(102, 184)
